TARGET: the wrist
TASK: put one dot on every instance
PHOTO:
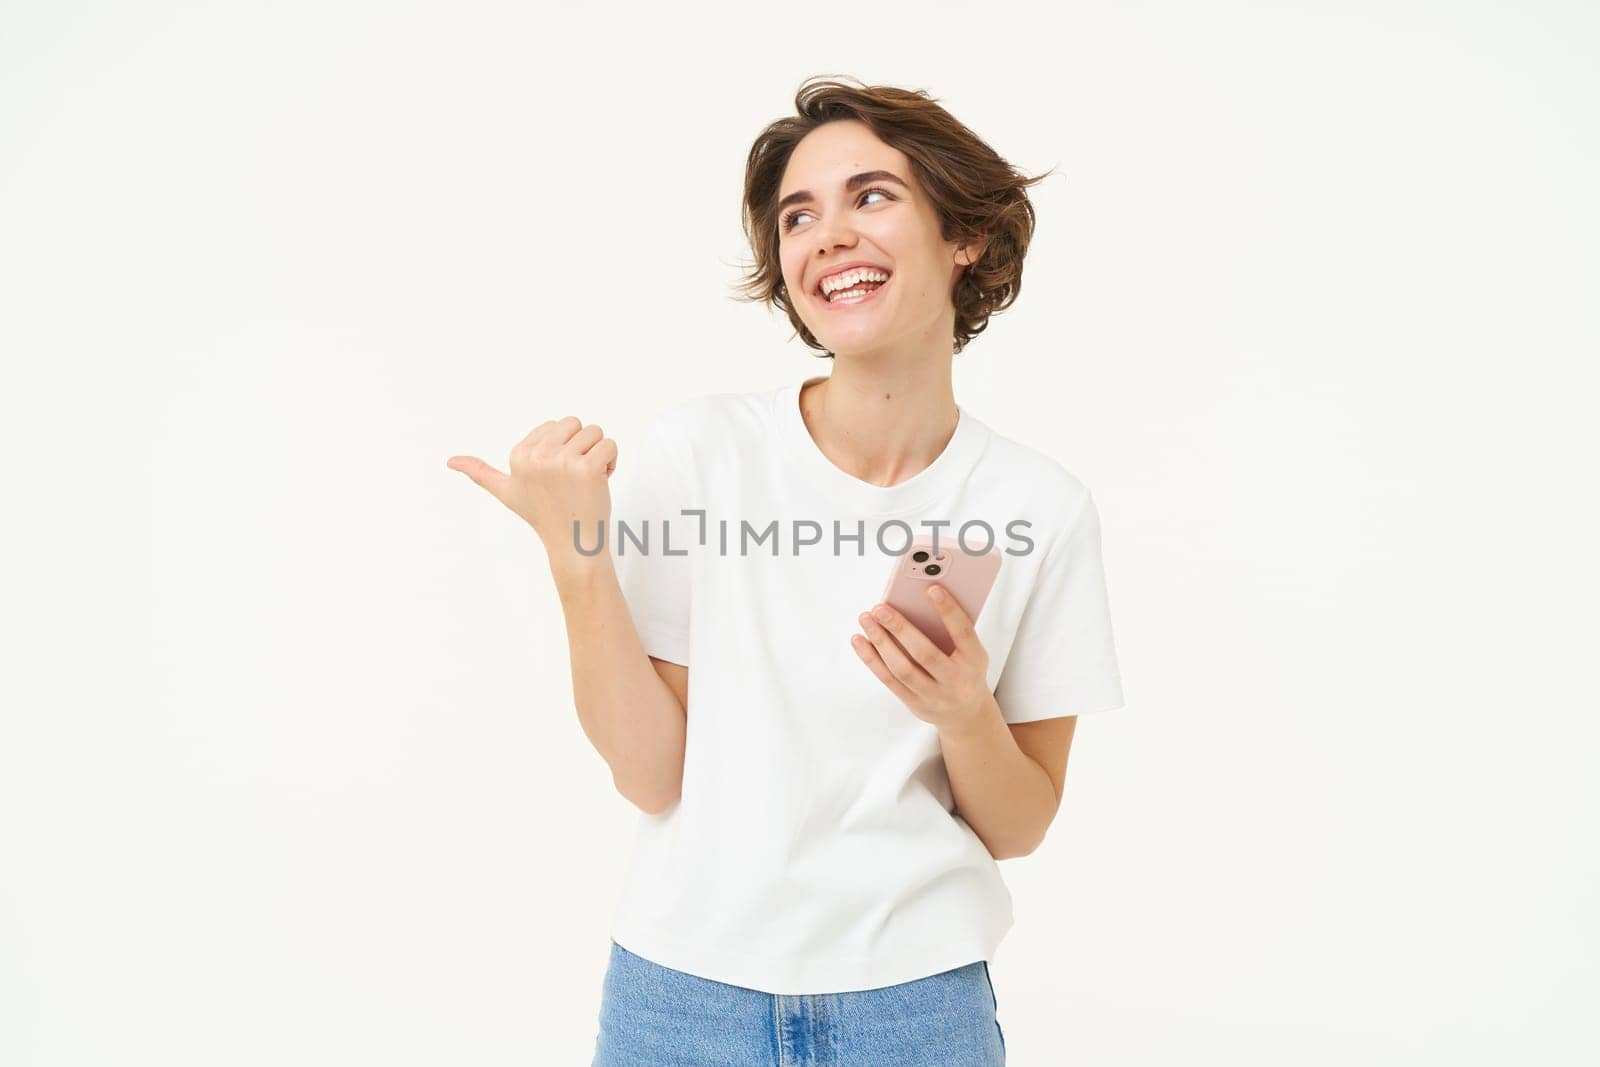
(575, 573)
(980, 723)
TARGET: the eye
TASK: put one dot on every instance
(787, 223)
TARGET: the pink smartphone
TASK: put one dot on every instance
(966, 577)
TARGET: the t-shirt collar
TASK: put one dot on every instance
(928, 486)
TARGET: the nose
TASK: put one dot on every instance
(834, 232)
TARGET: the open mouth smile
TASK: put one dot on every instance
(853, 297)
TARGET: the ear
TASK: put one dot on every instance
(971, 252)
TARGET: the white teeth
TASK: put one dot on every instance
(850, 278)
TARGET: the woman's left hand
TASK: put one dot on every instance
(951, 691)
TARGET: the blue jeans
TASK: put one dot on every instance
(654, 1016)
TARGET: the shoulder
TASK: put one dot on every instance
(1054, 489)
(701, 435)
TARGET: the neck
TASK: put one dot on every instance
(881, 423)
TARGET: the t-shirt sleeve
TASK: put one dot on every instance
(648, 491)
(1063, 660)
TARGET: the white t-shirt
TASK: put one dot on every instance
(815, 847)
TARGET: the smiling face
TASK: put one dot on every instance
(847, 198)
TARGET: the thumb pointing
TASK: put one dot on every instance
(479, 471)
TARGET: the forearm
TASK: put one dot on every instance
(627, 711)
(1005, 796)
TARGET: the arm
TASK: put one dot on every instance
(630, 705)
(1007, 780)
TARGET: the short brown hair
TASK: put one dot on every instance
(974, 192)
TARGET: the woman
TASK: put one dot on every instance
(814, 875)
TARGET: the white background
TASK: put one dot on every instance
(289, 767)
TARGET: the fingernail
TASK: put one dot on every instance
(936, 591)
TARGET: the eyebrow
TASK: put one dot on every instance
(851, 184)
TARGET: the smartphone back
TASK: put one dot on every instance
(966, 577)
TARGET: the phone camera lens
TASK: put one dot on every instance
(931, 569)
(919, 556)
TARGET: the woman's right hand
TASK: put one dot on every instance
(558, 476)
